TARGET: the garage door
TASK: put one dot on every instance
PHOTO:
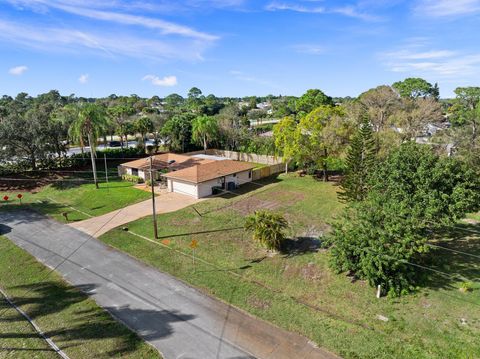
(184, 188)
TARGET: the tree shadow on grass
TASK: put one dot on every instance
(297, 246)
(455, 252)
(48, 304)
(28, 213)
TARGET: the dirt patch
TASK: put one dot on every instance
(252, 204)
(26, 183)
(275, 200)
(309, 272)
(470, 221)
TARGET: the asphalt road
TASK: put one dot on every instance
(177, 319)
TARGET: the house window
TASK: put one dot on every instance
(249, 174)
(134, 171)
(234, 175)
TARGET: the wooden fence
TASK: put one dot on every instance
(273, 164)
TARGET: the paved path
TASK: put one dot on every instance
(166, 202)
(177, 319)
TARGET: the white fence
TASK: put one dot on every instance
(273, 164)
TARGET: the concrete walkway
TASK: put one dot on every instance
(177, 319)
(166, 202)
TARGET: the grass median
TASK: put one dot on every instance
(73, 321)
(78, 199)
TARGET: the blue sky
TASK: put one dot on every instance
(235, 47)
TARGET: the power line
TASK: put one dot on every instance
(453, 250)
(69, 256)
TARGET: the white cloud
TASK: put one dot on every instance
(310, 7)
(416, 60)
(18, 70)
(112, 45)
(310, 49)
(79, 9)
(447, 8)
(83, 79)
(167, 81)
(282, 6)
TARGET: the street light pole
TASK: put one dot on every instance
(154, 212)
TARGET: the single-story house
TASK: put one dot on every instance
(201, 180)
(160, 163)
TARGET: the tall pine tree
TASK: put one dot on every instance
(360, 160)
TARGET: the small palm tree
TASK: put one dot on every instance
(90, 122)
(204, 130)
(143, 125)
(268, 228)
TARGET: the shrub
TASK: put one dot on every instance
(466, 287)
(132, 178)
(268, 228)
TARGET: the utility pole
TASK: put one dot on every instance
(154, 212)
(106, 168)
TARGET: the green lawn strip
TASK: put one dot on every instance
(73, 321)
(79, 200)
(18, 339)
(426, 324)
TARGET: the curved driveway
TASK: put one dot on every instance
(166, 202)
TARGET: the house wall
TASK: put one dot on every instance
(205, 188)
(123, 171)
(243, 177)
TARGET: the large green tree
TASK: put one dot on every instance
(412, 194)
(360, 161)
(30, 129)
(285, 134)
(312, 99)
(90, 122)
(204, 130)
(415, 87)
(322, 133)
(143, 125)
(120, 114)
(177, 132)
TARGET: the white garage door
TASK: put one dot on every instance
(184, 188)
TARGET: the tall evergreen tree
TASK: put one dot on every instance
(360, 160)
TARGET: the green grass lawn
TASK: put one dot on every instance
(18, 339)
(72, 320)
(86, 201)
(298, 291)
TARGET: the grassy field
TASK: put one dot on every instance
(296, 289)
(80, 200)
(72, 320)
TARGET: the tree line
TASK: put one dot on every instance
(314, 130)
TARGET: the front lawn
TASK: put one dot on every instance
(296, 290)
(79, 199)
(73, 321)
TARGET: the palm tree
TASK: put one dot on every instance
(268, 228)
(143, 125)
(204, 130)
(91, 122)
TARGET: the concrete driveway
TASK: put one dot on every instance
(166, 202)
(177, 319)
